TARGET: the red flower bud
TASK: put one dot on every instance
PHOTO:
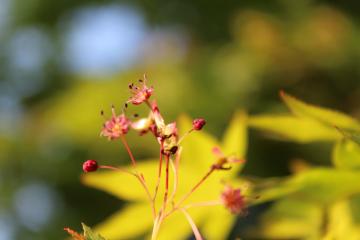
(198, 124)
(90, 166)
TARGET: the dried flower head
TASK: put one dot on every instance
(90, 166)
(140, 93)
(116, 126)
(233, 200)
(198, 124)
(223, 160)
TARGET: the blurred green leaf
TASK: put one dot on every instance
(197, 146)
(90, 235)
(326, 116)
(340, 224)
(235, 138)
(350, 134)
(346, 155)
(290, 218)
(123, 185)
(218, 223)
(292, 128)
(325, 185)
(132, 221)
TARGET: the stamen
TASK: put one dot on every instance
(113, 110)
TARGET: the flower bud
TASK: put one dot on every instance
(198, 124)
(90, 166)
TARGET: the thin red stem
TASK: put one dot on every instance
(133, 161)
(159, 172)
(116, 169)
(166, 182)
(195, 187)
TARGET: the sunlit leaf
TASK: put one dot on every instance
(90, 235)
(132, 221)
(350, 134)
(340, 223)
(290, 218)
(218, 224)
(292, 128)
(323, 115)
(270, 189)
(346, 155)
(123, 185)
(197, 146)
(235, 138)
(325, 185)
(177, 227)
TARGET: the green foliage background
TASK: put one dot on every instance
(238, 55)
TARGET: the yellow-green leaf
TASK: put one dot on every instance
(90, 235)
(350, 134)
(325, 185)
(133, 221)
(292, 128)
(340, 223)
(235, 138)
(218, 223)
(290, 218)
(326, 116)
(197, 146)
(177, 227)
(121, 184)
(346, 155)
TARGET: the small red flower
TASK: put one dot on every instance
(140, 93)
(233, 200)
(198, 124)
(223, 161)
(116, 126)
(90, 166)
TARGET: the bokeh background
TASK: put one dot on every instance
(61, 62)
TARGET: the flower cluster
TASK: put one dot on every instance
(167, 136)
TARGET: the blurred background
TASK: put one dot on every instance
(61, 62)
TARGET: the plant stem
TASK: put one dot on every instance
(192, 224)
(160, 167)
(166, 182)
(195, 187)
(133, 161)
(140, 177)
(117, 169)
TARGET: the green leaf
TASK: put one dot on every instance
(350, 134)
(133, 221)
(177, 227)
(90, 235)
(340, 223)
(346, 155)
(325, 185)
(302, 130)
(326, 116)
(235, 138)
(121, 184)
(197, 146)
(290, 218)
(218, 223)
